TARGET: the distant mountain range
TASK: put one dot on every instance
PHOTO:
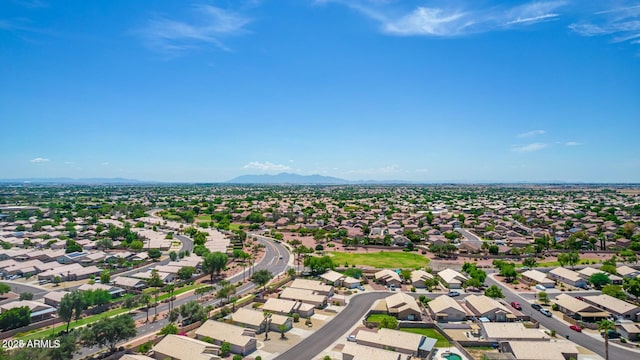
(67, 181)
(296, 179)
(287, 178)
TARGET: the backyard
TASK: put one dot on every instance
(432, 333)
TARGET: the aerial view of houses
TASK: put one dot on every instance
(224, 273)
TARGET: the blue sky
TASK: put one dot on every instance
(360, 89)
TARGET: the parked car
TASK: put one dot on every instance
(361, 288)
(351, 338)
(612, 334)
(575, 328)
(580, 298)
(546, 312)
(392, 287)
(516, 305)
(536, 306)
(541, 287)
(453, 293)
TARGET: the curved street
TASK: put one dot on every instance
(275, 260)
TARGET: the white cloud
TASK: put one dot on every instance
(572, 143)
(622, 24)
(38, 160)
(448, 20)
(105, 163)
(529, 147)
(531, 133)
(209, 27)
(266, 166)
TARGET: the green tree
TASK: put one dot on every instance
(154, 253)
(108, 331)
(509, 272)
(214, 263)
(173, 255)
(530, 262)
(15, 318)
(573, 258)
(261, 277)
(614, 290)
(146, 300)
(543, 297)
(632, 286)
(4, 288)
(56, 280)
(388, 322)
(26, 296)
(563, 259)
(105, 277)
(170, 328)
(493, 292)
(283, 329)
(599, 280)
(185, 273)
(473, 283)
(604, 326)
(65, 310)
(225, 349)
(319, 265)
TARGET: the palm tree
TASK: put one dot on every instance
(169, 289)
(606, 325)
(146, 300)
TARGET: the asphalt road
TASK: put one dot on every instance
(275, 260)
(321, 339)
(594, 344)
(470, 237)
(20, 288)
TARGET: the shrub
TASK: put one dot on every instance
(555, 307)
(237, 357)
(413, 289)
(145, 347)
(296, 317)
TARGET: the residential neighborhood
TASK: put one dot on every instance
(260, 272)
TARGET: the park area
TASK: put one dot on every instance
(381, 260)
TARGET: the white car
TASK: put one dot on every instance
(541, 287)
(351, 338)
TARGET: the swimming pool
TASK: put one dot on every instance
(452, 356)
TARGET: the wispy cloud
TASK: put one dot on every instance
(105, 163)
(32, 4)
(209, 26)
(621, 24)
(266, 166)
(389, 169)
(451, 20)
(571, 143)
(38, 160)
(531, 133)
(529, 147)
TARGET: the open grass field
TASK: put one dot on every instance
(432, 333)
(392, 260)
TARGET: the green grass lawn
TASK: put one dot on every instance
(203, 218)
(432, 333)
(376, 317)
(36, 334)
(393, 260)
